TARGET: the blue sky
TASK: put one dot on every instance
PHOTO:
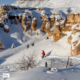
(7, 1)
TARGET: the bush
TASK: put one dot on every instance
(26, 62)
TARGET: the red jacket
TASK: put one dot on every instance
(43, 53)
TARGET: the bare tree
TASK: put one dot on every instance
(27, 62)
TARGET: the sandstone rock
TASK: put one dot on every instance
(73, 19)
(70, 39)
(57, 28)
(50, 33)
(70, 19)
(28, 25)
(75, 43)
(52, 19)
(34, 24)
(67, 28)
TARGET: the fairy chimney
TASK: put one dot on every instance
(57, 28)
(28, 25)
(52, 19)
(43, 26)
(34, 24)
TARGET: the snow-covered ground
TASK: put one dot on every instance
(56, 52)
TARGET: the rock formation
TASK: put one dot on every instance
(34, 24)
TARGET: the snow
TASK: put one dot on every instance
(20, 14)
(25, 26)
(2, 45)
(24, 15)
(46, 25)
(34, 18)
(41, 73)
(45, 19)
(6, 27)
(75, 38)
(57, 23)
(62, 21)
(6, 16)
(1, 21)
(40, 33)
(58, 52)
(52, 16)
(58, 17)
(52, 28)
(78, 28)
(13, 45)
(43, 12)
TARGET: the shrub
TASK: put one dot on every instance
(26, 62)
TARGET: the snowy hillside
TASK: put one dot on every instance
(20, 41)
(48, 3)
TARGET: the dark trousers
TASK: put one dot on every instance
(42, 56)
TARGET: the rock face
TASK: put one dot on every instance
(48, 27)
(43, 26)
(24, 26)
(34, 24)
(53, 20)
(57, 28)
(69, 39)
(4, 9)
(73, 19)
(74, 40)
(28, 25)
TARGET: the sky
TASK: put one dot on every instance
(7, 1)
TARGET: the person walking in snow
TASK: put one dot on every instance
(43, 53)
